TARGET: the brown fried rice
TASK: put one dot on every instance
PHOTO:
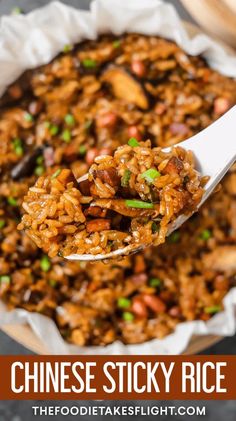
(129, 199)
(88, 102)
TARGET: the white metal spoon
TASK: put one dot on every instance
(214, 149)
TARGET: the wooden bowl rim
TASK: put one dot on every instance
(215, 17)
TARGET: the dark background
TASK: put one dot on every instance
(21, 411)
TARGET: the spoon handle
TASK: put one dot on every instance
(214, 149)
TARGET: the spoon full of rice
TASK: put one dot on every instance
(214, 151)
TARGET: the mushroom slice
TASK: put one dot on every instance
(119, 206)
(222, 259)
(25, 167)
(124, 86)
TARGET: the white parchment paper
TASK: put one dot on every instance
(34, 39)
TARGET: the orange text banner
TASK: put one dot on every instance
(117, 377)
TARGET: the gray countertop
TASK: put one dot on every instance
(19, 411)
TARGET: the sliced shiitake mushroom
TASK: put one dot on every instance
(108, 176)
(125, 86)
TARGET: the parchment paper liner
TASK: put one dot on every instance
(34, 39)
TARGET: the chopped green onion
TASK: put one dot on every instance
(17, 145)
(123, 302)
(150, 175)
(133, 142)
(39, 170)
(125, 178)
(55, 174)
(2, 223)
(206, 234)
(16, 11)
(52, 283)
(66, 135)
(116, 43)
(89, 63)
(40, 160)
(47, 124)
(17, 141)
(53, 129)
(28, 117)
(155, 282)
(88, 124)
(5, 279)
(69, 119)
(82, 150)
(212, 309)
(127, 316)
(155, 227)
(45, 263)
(174, 237)
(67, 48)
(134, 203)
(12, 201)
(19, 151)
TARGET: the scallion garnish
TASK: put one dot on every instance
(116, 43)
(45, 263)
(133, 142)
(18, 147)
(125, 178)
(69, 119)
(5, 279)
(89, 63)
(28, 117)
(212, 309)
(82, 150)
(134, 203)
(12, 201)
(67, 48)
(150, 175)
(39, 170)
(2, 223)
(40, 160)
(174, 237)
(127, 316)
(53, 129)
(19, 151)
(55, 174)
(123, 302)
(155, 282)
(66, 135)
(206, 234)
